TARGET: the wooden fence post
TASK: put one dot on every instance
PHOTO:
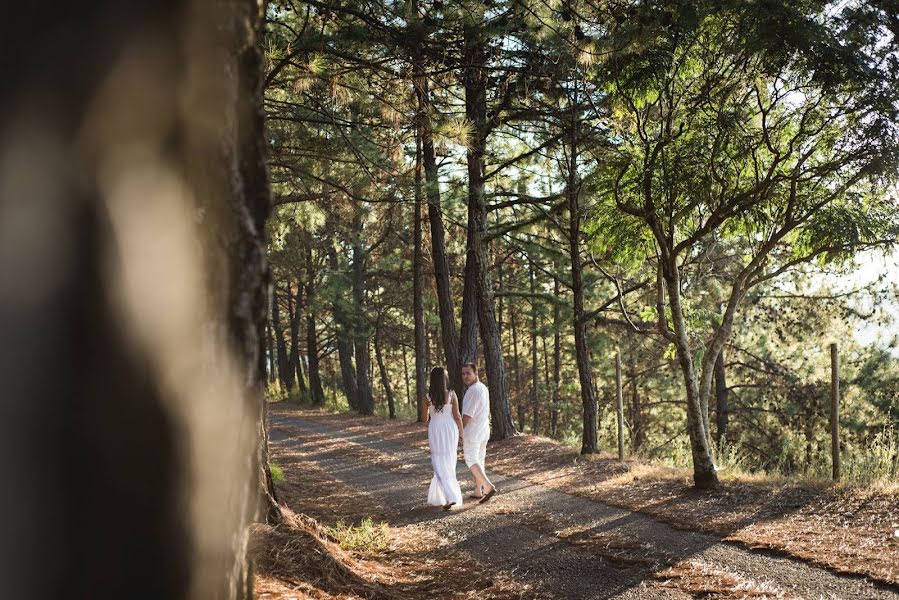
(835, 410)
(620, 401)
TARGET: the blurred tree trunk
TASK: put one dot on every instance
(142, 139)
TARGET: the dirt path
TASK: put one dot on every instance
(560, 545)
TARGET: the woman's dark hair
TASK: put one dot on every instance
(438, 387)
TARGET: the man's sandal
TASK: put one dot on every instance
(487, 496)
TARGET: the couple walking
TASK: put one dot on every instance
(446, 424)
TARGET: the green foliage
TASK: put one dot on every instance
(277, 473)
(755, 139)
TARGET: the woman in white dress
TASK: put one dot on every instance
(444, 426)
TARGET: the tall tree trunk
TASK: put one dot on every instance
(468, 334)
(302, 390)
(316, 390)
(421, 348)
(406, 378)
(344, 336)
(385, 377)
(476, 272)
(721, 394)
(253, 164)
(365, 402)
(588, 395)
(516, 366)
(557, 358)
(270, 338)
(535, 379)
(547, 380)
(281, 344)
(428, 158)
(636, 408)
(293, 354)
(302, 304)
(500, 312)
(704, 472)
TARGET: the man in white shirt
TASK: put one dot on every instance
(476, 430)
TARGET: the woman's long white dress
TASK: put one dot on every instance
(443, 440)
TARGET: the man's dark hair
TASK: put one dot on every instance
(471, 366)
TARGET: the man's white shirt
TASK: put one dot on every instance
(476, 404)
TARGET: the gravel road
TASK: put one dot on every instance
(542, 536)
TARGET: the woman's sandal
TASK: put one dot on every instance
(448, 505)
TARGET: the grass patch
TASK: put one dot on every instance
(277, 473)
(365, 537)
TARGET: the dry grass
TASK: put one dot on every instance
(846, 528)
(299, 552)
(707, 581)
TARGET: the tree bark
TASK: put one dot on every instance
(500, 309)
(468, 335)
(316, 391)
(704, 472)
(302, 389)
(253, 165)
(406, 377)
(477, 275)
(547, 379)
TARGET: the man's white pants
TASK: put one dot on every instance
(475, 452)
